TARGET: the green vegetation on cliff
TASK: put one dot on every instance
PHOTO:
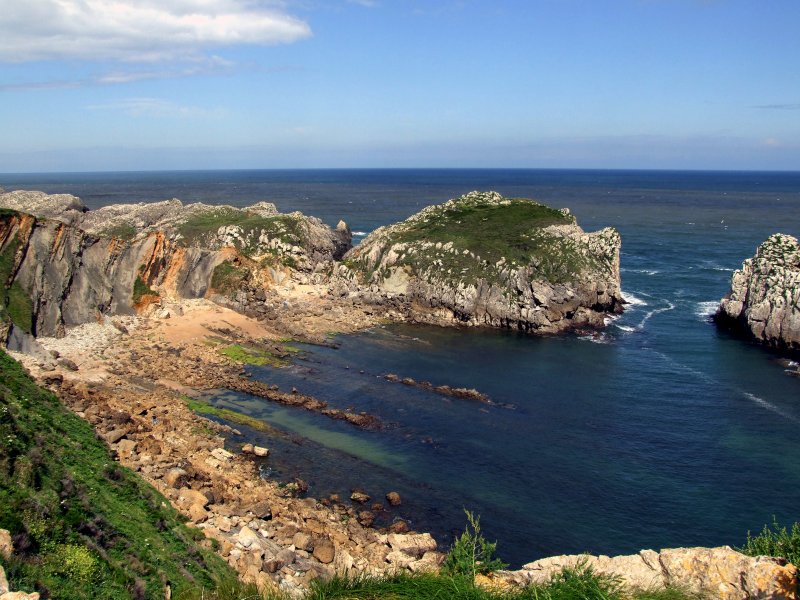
(478, 236)
(15, 305)
(83, 526)
(775, 540)
(199, 229)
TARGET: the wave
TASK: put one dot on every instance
(705, 310)
(359, 233)
(633, 300)
(670, 306)
(626, 328)
(642, 271)
(771, 407)
(595, 338)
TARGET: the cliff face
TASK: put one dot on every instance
(764, 300)
(487, 260)
(61, 265)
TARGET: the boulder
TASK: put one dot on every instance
(324, 550)
(359, 496)
(176, 478)
(393, 498)
(247, 537)
(260, 451)
(412, 544)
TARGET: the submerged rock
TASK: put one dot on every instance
(764, 300)
(483, 259)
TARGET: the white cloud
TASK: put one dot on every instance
(155, 107)
(139, 30)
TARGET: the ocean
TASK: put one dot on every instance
(662, 431)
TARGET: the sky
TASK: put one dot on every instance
(98, 85)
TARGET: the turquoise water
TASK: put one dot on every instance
(662, 431)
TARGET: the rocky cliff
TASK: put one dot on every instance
(764, 300)
(483, 259)
(62, 265)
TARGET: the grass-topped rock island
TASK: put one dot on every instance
(483, 259)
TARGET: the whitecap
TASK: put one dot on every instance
(633, 300)
(359, 233)
(626, 328)
(704, 310)
(595, 339)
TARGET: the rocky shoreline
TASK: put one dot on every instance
(186, 316)
(265, 530)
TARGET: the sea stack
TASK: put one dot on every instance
(764, 300)
(483, 259)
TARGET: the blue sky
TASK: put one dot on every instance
(196, 84)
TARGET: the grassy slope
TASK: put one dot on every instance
(84, 527)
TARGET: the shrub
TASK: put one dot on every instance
(775, 541)
(471, 554)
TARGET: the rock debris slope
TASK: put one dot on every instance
(764, 300)
(483, 259)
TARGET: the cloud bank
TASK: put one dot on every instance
(139, 30)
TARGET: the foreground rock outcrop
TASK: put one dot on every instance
(764, 300)
(719, 573)
(483, 259)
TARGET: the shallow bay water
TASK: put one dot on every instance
(661, 431)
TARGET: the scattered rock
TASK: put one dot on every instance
(393, 498)
(6, 545)
(412, 544)
(247, 537)
(324, 551)
(68, 364)
(359, 496)
(247, 449)
(259, 451)
(176, 478)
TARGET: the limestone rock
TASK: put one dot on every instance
(3, 581)
(412, 544)
(260, 451)
(552, 276)
(324, 551)
(764, 300)
(360, 497)
(393, 498)
(247, 537)
(6, 545)
(176, 478)
(716, 572)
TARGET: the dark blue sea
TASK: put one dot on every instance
(662, 431)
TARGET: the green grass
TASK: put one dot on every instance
(775, 540)
(140, 290)
(228, 278)
(83, 526)
(246, 355)
(203, 408)
(15, 304)
(200, 228)
(492, 231)
(580, 583)
(121, 231)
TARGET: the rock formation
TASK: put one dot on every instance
(62, 265)
(483, 259)
(719, 573)
(764, 301)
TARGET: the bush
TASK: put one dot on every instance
(471, 554)
(775, 541)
